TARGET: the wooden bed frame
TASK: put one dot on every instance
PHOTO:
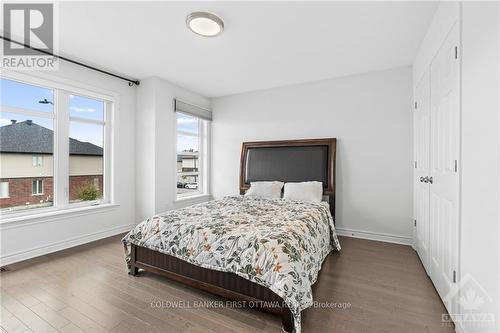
(227, 284)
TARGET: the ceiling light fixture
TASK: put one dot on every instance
(205, 24)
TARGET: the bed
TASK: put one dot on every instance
(264, 253)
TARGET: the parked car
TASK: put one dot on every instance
(180, 185)
(192, 186)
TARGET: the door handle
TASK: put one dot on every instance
(430, 180)
(421, 179)
(424, 179)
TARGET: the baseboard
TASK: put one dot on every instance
(376, 236)
(62, 245)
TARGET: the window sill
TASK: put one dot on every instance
(39, 217)
(194, 197)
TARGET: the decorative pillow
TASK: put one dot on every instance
(305, 191)
(265, 189)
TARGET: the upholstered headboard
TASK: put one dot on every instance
(290, 161)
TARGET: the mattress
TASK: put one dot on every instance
(277, 243)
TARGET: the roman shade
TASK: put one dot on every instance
(191, 109)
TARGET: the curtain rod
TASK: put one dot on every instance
(131, 82)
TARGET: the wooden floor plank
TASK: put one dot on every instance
(10, 323)
(49, 315)
(81, 321)
(86, 289)
(114, 284)
(26, 315)
(71, 328)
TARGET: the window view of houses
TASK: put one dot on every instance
(27, 166)
(187, 171)
(27, 148)
(188, 159)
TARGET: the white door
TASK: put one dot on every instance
(444, 157)
(422, 165)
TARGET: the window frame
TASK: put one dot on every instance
(39, 187)
(37, 160)
(8, 190)
(62, 88)
(204, 127)
(106, 146)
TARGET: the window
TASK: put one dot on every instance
(191, 151)
(79, 145)
(37, 187)
(4, 189)
(86, 147)
(26, 132)
(37, 160)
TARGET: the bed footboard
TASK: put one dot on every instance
(224, 284)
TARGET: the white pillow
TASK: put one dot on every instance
(305, 191)
(265, 189)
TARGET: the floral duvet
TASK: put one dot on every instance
(277, 243)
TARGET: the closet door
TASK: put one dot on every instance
(444, 147)
(422, 167)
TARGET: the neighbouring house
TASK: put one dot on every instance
(187, 167)
(27, 165)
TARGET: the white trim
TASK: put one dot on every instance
(61, 245)
(26, 112)
(49, 81)
(189, 173)
(110, 151)
(49, 215)
(376, 236)
(201, 155)
(86, 121)
(194, 197)
(205, 151)
(61, 150)
(184, 133)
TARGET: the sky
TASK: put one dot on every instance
(187, 124)
(24, 96)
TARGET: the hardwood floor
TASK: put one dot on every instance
(87, 289)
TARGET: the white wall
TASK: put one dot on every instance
(145, 143)
(155, 142)
(36, 236)
(369, 114)
(480, 251)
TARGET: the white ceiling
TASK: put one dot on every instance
(264, 44)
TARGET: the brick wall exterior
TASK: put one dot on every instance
(20, 190)
(76, 182)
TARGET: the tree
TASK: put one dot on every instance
(88, 192)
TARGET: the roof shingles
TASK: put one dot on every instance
(30, 138)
